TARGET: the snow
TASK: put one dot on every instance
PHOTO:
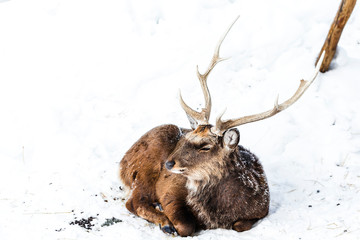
(81, 81)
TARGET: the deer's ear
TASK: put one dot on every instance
(231, 138)
(193, 123)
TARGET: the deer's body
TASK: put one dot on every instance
(227, 192)
(200, 178)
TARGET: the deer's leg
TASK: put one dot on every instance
(243, 225)
(143, 206)
(180, 215)
(172, 193)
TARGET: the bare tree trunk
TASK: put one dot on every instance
(333, 37)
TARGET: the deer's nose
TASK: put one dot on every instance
(169, 164)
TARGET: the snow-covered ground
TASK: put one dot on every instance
(82, 80)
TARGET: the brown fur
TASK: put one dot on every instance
(210, 182)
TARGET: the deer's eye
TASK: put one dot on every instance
(205, 148)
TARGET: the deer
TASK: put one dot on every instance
(186, 180)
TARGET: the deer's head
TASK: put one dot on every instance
(201, 153)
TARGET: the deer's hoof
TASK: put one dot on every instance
(168, 229)
(158, 207)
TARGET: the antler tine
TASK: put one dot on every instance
(222, 126)
(203, 116)
(216, 58)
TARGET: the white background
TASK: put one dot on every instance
(82, 80)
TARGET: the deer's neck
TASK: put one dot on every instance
(208, 176)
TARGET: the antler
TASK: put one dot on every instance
(202, 118)
(222, 126)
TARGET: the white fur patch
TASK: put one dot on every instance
(178, 171)
(192, 185)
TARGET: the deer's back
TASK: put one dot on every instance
(144, 161)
